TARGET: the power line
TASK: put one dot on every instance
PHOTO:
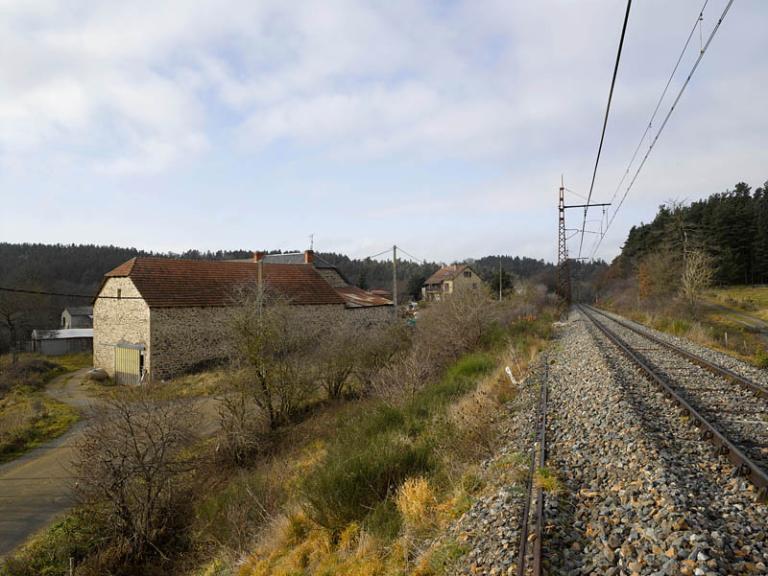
(664, 123)
(387, 251)
(43, 293)
(410, 255)
(661, 98)
(605, 121)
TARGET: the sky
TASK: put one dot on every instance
(442, 127)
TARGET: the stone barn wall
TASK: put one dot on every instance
(184, 339)
(116, 321)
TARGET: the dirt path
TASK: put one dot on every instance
(753, 322)
(36, 487)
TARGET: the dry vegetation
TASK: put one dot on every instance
(345, 458)
(670, 293)
(28, 417)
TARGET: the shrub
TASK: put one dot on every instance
(416, 502)
(235, 514)
(356, 477)
(133, 468)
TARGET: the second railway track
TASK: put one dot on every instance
(732, 411)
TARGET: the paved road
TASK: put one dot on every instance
(35, 488)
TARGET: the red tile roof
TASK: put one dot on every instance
(356, 297)
(167, 282)
(446, 273)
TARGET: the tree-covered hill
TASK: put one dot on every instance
(731, 226)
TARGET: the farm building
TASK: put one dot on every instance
(158, 317)
(450, 279)
(77, 317)
(60, 342)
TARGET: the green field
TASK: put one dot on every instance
(752, 300)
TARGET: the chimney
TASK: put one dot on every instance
(309, 256)
(258, 256)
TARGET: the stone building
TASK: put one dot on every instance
(158, 317)
(77, 317)
(450, 279)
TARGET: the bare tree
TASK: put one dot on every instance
(132, 469)
(697, 275)
(272, 343)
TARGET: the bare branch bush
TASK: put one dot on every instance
(272, 344)
(445, 331)
(133, 471)
(377, 350)
(244, 425)
(337, 354)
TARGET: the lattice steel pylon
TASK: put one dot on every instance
(563, 268)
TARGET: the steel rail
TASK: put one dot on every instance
(721, 371)
(741, 461)
(537, 456)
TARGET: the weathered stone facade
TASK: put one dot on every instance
(183, 339)
(124, 320)
(178, 313)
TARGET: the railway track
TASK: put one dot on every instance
(530, 552)
(732, 411)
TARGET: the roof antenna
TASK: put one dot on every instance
(312, 241)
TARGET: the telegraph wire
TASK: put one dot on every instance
(411, 255)
(664, 123)
(605, 121)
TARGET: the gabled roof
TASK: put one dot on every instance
(79, 310)
(174, 283)
(446, 273)
(355, 297)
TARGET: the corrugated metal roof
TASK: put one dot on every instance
(173, 283)
(355, 297)
(62, 334)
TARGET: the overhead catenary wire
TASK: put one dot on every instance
(661, 99)
(664, 123)
(605, 121)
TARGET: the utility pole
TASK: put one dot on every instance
(563, 263)
(394, 280)
(499, 278)
(563, 269)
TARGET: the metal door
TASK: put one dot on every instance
(128, 360)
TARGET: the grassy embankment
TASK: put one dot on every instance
(340, 513)
(362, 486)
(718, 327)
(28, 416)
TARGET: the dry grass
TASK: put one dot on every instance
(547, 480)
(416, 502)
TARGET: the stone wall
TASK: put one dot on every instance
(370, 316)
(184, 339)
(116, 321)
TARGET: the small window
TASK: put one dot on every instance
(119, 293)
(467, 273)
(474, 285)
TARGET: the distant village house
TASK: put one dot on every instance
(77, 317)
(155, 318)
(450, 279)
